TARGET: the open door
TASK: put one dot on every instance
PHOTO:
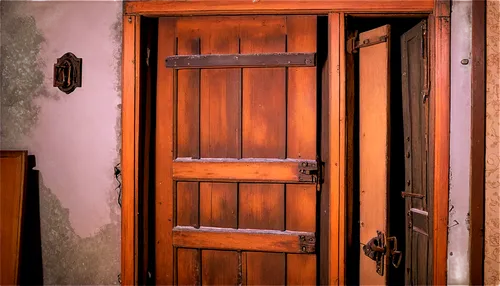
(379, 253)
(415, 121)
(374, 99)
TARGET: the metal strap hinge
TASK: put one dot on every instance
(353, 43)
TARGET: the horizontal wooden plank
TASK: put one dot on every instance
(239, 7)
(242, 60)
(244, 239)
(243, 170)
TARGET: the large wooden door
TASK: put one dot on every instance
(236, 152)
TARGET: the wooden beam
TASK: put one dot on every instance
(242, 60)
(440, 137)
(128, 269)
(243, 170)
(238, 7)
(478, 143)
(244, 239)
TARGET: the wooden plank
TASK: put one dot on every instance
(265, 268)
(238, 7)
(261, 206)
(128, 268)
(334, 146)
(188, 100)
(264, 116)
(219, 204)
(244, 239)
(301, 269)
(220, 267)
(440, 138)
(188, 266)
(13, 174)
(264, 60)
(301, 90)
(244, 170)
(164, 155)
(300, 207)
(187, 207)
(478, 143)
(373, 146)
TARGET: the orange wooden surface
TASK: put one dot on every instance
(275, 7)
(129, 259)
(374, 92)
(13, 172)
(440, 116)
(164, 191)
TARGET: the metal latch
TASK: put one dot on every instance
(378, 248)
(353, 44)
(311, 172)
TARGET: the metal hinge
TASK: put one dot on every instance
(353, 43)
(312, 172)
(380, 247)
(148, 52)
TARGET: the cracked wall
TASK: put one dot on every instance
(75, 138)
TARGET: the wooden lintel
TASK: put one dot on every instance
(239, 7)
(242, 60)
(244, 239)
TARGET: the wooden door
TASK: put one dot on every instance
(415, 119)
(236, 151)
(374, 110)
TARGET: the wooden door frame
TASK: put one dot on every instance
(439, 11)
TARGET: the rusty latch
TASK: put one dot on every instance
(353, 44)
(311, 172)
(380, 247)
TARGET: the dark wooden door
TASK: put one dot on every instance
(236, 151)
(415, 117)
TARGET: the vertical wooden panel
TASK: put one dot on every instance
(164, 154)
(261, 206)
(301, 269)
(188, 100)
(187, 204)
(219, 267)
(440, 103)
(128, 153)
(218, 206)
(264, 102)
(264, 268)
(334, 145)
(373, 145)
(301, 93)
(188, 266)
(301, 207)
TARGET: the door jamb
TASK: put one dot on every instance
(439, 124)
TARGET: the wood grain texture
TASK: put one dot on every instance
(301, 90)
(13, 174)
(478, 143)
(373, 145)
(440, 99)
(164, 155)
(219, 267)
(243, 239)
(264, 268)
(334, 146)
(301, 269)
(188, 266)
(274, 7)
(342, 151)
(188, 203)
(261, 206)
(219, 203)
(227, 170)
(300, 207)
(128, 266)
(264, 116)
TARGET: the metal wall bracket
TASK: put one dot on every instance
(68, 73)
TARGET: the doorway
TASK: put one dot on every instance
(387, 80)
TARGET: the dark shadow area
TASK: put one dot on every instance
(31, 267)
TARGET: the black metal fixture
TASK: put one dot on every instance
(68, 73)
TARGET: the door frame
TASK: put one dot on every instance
(337, 175)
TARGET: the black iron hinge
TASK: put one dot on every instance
(312, 172)
(353, 43)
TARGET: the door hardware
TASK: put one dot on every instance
(412, 195)
(380, 247)
(311, 172)
(68, 73)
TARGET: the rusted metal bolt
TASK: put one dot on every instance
(130, 19)
(465, 61)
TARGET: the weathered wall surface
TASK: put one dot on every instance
(492, 206)
(460, 121)
(75, 137)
